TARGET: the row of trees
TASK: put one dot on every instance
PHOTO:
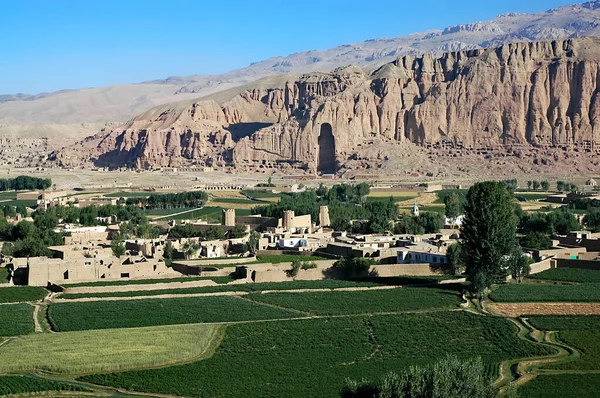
(170, 200)
(210, 233)
(27, 239)
(563, 186)
(448, 378)
(424, 223)
(536, 185)
(24, 183)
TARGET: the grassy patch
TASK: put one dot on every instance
(532, 196)
(462, 194)
(362, 302)
(247, 287)
(210, 213)
(217, 279)
(11, 195)
(139, 313)
(15, 203)
(16, 319)
(313, 357)
(15, 294)
(395, 199)
(561, 386)
(260, 194)
(238, 201)
(582, 332)
(166, 212)
(105, 350)
(529, 292)
(286, 258)
(569, 275)
(12, 385)
(3, 275)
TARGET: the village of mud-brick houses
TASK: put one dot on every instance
(86, 254)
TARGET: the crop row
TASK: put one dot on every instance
(582, 332)
(139, 313)
(561, 386)
(312, 357)
(16, 319)
(217, 279)
(362, 302)
(10, 385)
(525, 292)
(569, 275)
(17, 294)
(248, 287)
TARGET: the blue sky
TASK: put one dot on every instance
(47, 45)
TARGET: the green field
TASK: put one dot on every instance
(532, 196)
(238, 201)
(167, 212)
(385, 199)
(362, 302)
(569, 275)
(217, 279)
(15, 203)
(211, 213)
(106, 350)
(128, 195)
(286, 258)
(462, 194)
(247, 287)
(10, 195)
(313, 357)
(3, 275)
(260, 194)
(561, 386)
(138, 313)
(17, 294)
(16, 319)
(529, 292)
(12, 385)
(582, 332)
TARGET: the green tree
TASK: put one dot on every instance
(517, 264)
(189, 248)
(431, 222)
(536, 185)
(253, 241)
(454, 265)
(169, 250)
(529, 185)
(560, 186)
(408, 225)
(118, 248)
(592, 220)
(448, 378)
(545, 186)
(488, 233)
(239, 231)
(536, 240)
(354, 266)
(573, 187)
(452, 204)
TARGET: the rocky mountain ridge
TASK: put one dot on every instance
(119, 103)
(515, 97)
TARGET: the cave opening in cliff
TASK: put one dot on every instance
(326, 161)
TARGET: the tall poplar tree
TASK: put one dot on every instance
(488, 233)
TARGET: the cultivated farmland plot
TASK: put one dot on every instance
(10, 385)
(16, 319)
(312, 357)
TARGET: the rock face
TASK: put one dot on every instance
(533, 94)
(122, 102)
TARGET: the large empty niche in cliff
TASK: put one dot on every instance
(326, 161)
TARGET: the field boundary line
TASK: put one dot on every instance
(224, 293)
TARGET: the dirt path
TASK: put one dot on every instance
(36, 322)
(514, 310)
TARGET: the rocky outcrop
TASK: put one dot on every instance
(534, 94)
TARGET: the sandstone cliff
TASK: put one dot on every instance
(534, 94)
